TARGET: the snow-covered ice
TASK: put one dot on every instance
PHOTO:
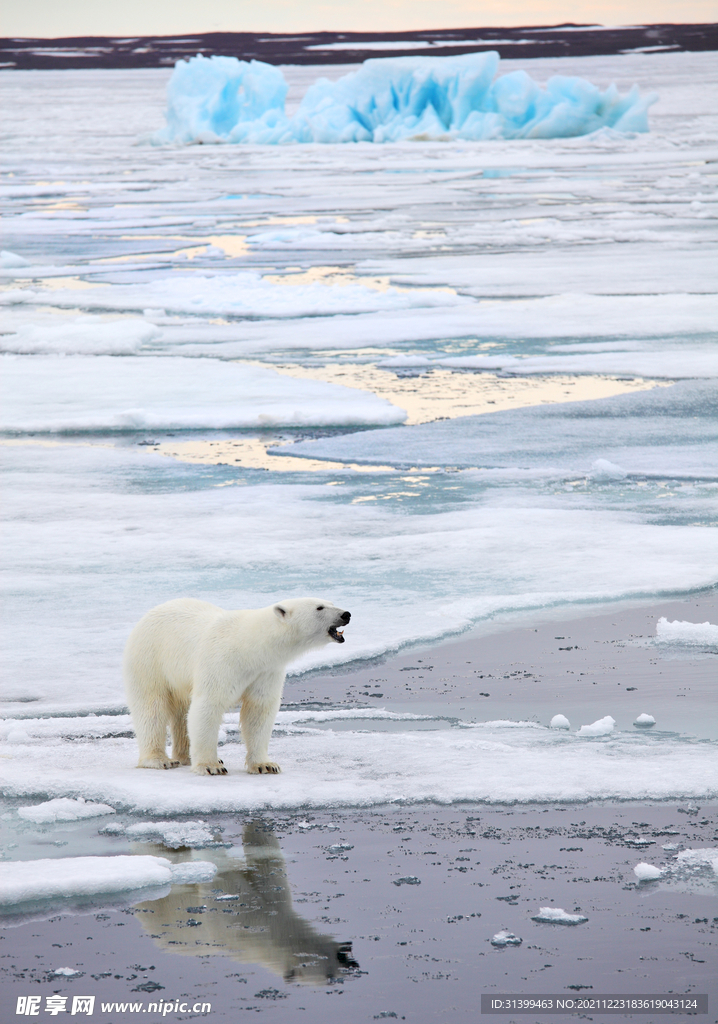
(492, 761)
(560, 722)
(224, 99)
(24, 881)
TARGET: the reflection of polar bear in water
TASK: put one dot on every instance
(187, 662)
(258, 926)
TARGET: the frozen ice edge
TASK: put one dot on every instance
(491, 763)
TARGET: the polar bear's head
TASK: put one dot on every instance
(311, 621)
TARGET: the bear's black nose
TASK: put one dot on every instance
(345, 616)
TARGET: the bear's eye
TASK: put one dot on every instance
(320, 607)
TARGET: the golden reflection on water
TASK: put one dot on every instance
(445, 394)
(429, 396)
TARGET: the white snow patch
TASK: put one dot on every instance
(64, 809)
(602, 727)
(645, 720)
(559, 722)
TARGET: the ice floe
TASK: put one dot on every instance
(62, 394)
(494, 762)
(560, 722)
(25, 881)
(387, 100)
(79, 335)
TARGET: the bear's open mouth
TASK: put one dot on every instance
(336, 634)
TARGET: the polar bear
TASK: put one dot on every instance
(187, 662)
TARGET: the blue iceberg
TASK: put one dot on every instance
(222, 99)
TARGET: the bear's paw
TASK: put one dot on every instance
(210, 768)
(263, 768)
(158, 762)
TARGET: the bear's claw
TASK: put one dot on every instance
(264, 768)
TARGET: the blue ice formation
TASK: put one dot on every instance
(222, 99)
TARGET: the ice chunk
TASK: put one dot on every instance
(407, 880)
(555, 915)
(645, 720)
(602, 469)
(700, 633)
(67, 972)
(193, 871)
(175, 834)
(560, 722)
(506, 939)
(10, 260)
(699, 858)
(64, 809)
(647, 872)
(602, 727)
(224, 99)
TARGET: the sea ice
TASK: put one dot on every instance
(76, 393)
(506, 939)
(602, 469)
(64, 809)
(555, 915)
(647, 872)
(699, 633)
(81, 335)
(560, 722)
(21, 881)
(602, 727)
(224, 99)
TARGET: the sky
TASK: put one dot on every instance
(50, 18)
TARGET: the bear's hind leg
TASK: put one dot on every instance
(150, 722)
(180, 736)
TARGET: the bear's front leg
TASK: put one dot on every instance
(203, 721)
(257, 721)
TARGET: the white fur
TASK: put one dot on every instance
(187, 662)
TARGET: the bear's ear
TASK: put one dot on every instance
(280, 612)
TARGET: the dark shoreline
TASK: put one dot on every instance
(525, 43)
